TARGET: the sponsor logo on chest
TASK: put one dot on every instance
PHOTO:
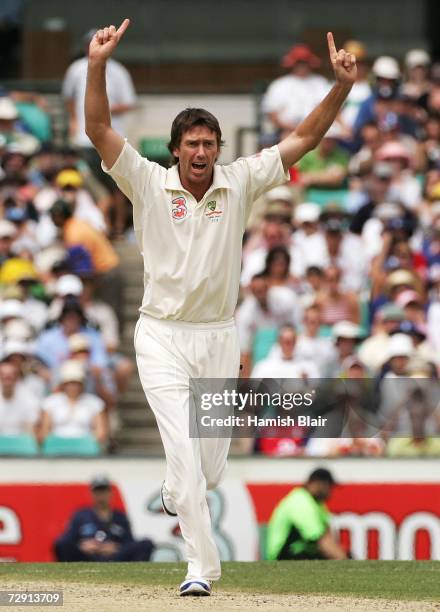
(179, 209)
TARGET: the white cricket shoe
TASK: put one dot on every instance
(196, 587)
(167, 502)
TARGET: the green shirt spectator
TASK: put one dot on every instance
(296, 525)
(299, 527)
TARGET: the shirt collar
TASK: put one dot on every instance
(172, 180)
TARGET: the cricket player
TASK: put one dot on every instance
(189, 221)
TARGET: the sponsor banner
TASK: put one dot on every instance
(375, 520)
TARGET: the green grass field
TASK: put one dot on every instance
(401, 580)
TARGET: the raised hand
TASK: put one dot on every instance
(105, 40)
(344, 64)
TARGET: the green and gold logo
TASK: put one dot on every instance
(212, 205)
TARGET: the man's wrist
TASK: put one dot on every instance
(343, 86)
(97, 62)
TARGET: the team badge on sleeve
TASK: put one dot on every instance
(179, 209)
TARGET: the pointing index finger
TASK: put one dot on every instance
(331, 45)
(124, 25)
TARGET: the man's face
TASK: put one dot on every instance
(102, 496)
(8, 375)
(259, 289)
(198, 151)
(320, 490)
(287, 341)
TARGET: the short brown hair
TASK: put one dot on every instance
(186, 120)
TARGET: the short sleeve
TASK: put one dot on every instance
(260, 173)
(95, 404)
(132, 173)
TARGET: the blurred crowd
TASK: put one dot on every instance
(61, 287)
(341, 266)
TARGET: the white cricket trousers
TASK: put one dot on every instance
(168, 354)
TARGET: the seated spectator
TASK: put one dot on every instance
(32, 373)
(277, 268)
(76, 232)
(308, 242)
(290, 98)
(70, 412)
(52, 345)
(273, 234)
(336, 305)
(310, 346)
(283, 361)
(404, 186)
(346, 336)
(299, 527)
(326, 166)
(101, 533)
(8, 231)
(263, 308)
(25, 143)
(374, 348)
(417, 82)
(433, 314)
(19, 408)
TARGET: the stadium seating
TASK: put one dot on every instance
(155, 149)
(23, 445)
(85, 446)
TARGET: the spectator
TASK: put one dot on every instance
(290, 98)
(404, 186)
(326, 166)
(70, 412)
(417, 82)
(283, 361)
(374, 348)
(105, 260)
(101, 533)
(122, 100)
(273, 234)
(8, 232)
(52, 345)
(299, 527)
(346, 336)
(15, 139)
(277, 269)
(19, 408)
(32, 373)
(310, 346)
(336, 305)
(263, 308)
(308, 242)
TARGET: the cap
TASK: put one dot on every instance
(11, 308)
(79, 342)
(280, 193)
(357, 48)
(16, 214)
(307, 212)
(400, 345)
(393, 150)
(391, 312)
(346, 329)
(17, 329)
(15, 347)
(300, 53)
(16, 269)
(400, 277)
(70, 177)
(72, 370)
(8, 110)
(69, 284)
(323, 475)
(383, 170)
(417, 57)
(7, 229)
(387, 210)
(100, 482)
(386, 67)
(407, 297)
(351, 361)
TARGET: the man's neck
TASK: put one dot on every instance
(197, 190)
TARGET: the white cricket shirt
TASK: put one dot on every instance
(192, 250)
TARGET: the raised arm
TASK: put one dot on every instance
(97, 112)
(309, 132)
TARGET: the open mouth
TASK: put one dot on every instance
(199, 166)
